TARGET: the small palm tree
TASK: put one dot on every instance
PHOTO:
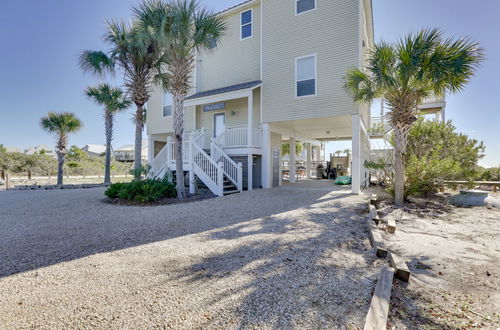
(182, 29)
(113, 100)
(134, 53)
(407, 72)
(61, 124)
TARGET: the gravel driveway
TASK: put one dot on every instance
(289, 257)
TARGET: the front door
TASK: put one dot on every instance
(219, 123)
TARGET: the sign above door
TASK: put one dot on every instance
(215, 106)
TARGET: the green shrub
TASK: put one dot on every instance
(437, 152)
(144, 191)
(114, 189)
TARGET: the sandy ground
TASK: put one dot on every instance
(454, 257)
(290, 257)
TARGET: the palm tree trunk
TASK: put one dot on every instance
(139, 124)
(109, 137)
(178, 101)
(401, 141)
(60, 164)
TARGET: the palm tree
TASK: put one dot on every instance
(405, 73)
(61, 124)
(113, 100)
(134, 53)
(183, 29)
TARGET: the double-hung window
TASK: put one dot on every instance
(167, 104)
(246, 19)
(305, 75)
(302, 6)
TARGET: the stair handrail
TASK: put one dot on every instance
(208, 170)
(232, 170)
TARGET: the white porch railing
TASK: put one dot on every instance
(237, 137)
(210, 172)
(209, 169)
(232, 170)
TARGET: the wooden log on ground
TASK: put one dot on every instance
(376, 319)
(374, 215)
(398, 263)
(376, 240)
(391, 225)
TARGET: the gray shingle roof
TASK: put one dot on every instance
(227, 89)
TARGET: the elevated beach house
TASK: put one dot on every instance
(276, 77)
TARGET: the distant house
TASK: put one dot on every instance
(94, 150)
(40, 149)
(12, 149)
(126, 153)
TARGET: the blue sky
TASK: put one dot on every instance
(40, 42)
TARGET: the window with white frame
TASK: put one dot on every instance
(167, 104)
(302, 6)
(212, 42)
(246, 20)
(305, 73)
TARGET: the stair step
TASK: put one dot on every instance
(229, 186)
(230, 192)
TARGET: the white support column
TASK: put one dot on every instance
(292, 172)
(308, 161)
(151, 150)
(356, 155)
(250, 141)
(250, 121)
(443, 114)
(192, 180)
(267, 169)
(250, 172)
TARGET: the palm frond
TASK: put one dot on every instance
(61, 123)
(96, 62)
(360, 86)
(112, 98)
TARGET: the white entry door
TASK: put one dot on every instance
(219, 123)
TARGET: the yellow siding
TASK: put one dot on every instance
(156, 123)
(239, 106)
(332, 33)
(234, 61)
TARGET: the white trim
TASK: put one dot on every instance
(243, 93)
(307, 11)
(163, 104)
(297, 59)
(233, 9)
(218, 113)
(251, 24)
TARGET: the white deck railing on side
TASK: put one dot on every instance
(231, 169)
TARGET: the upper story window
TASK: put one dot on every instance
(212, 42)
(167, 104)
(305, 73)
(246, 24)
(302, 6)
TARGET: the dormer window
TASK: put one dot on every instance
(302, 6)
(246, 20)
